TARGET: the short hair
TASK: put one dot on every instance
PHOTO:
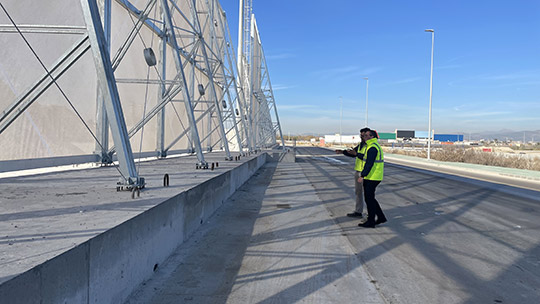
(365, 130)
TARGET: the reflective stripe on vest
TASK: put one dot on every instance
(377, 171)
(359, 163)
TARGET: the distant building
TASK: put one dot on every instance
(421, 134)
(404, 134)
(400, 135)
(388, 136)
(448, 137)
(343, 139)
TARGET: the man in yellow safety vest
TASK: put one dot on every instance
(357, 152)
(371, 176)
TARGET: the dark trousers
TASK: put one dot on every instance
(373, 207)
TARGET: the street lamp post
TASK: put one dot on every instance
(430, 93)
(367, 90)
(340, 118)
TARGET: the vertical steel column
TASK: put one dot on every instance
(253, 102)
(102, 123)
(235, 123)
(242, 104)
(187, 99)
(244, 40)
(248, 44)
(208, 124)
(160, 144)
(240, 38)
(272, 98)
(237, 84)
(221, 63)
(192, 92)
(107, 82)
(209, 127)
(211, 84)
(259, 75)
(205, 132)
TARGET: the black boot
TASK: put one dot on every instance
(367, 224)
(380, 220)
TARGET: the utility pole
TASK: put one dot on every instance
(367, 90)
(340, 118)
(430, 92)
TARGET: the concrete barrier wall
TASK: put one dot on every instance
(109, 267)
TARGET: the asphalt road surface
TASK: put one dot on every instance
(447, 239)
(284, 237)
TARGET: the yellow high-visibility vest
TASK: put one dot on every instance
(377, 171)
(359, 163)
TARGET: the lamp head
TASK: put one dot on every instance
(429, 30)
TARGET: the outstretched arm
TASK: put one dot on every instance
(350, 152)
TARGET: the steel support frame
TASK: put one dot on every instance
(262, 118)
(243, 65)
(150, 114)
(107, 83)
(222, 54)
(188, 129)
(162, 64)
(180, 70)
(211, 84)
(165, 95)
(271, 98)
(253, 99)
(240, 97)
(43, 29)
(141, 20)
(102, 122)
(215, 51)
(260, 110)
(188, 57)
(157, 30)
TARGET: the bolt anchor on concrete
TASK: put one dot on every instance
(166, 180)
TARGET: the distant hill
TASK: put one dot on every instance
(505, 134)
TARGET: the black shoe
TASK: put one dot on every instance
(380, 221)
(354, 214)
(367, 225)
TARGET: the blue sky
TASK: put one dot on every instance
(486, 64)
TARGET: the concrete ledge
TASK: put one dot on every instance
(108, 267)
(33, 163)
(73, 160)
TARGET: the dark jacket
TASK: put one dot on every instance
(370, 160)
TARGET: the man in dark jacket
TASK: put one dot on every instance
(371, 176)
(358, 153)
